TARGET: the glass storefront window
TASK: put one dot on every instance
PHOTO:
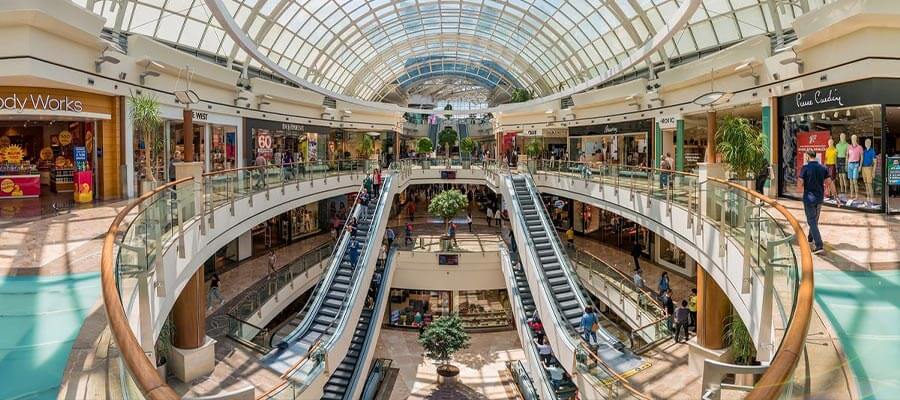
(848, 142)
(479, 309)
(622, 149)
(407, 306)
(176, 142)
(223, 147)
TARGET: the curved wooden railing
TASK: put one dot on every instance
(139, 365)
(778, 375)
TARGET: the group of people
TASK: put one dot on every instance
(545, 352)
(679, 319)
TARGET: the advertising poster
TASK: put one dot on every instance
(814, 140)
(893, 171)
(84, 186)
(264, 143)
(312, 147)
(20, 186)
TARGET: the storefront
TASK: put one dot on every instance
(853, 129)
(51, 149)
(623, 143)
(299, 143)
(561, 211)
(552, 141)
(613, 229)
(479, 310)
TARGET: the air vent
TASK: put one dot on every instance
(329, 102)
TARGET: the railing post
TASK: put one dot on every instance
(201, 209)
(179, 213)
(212, 208)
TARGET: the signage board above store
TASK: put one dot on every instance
(42, 102)
(857, 93)
(668, 121)
(641, 125)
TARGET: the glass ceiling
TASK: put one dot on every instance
(378, 49)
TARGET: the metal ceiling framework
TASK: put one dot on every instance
(358, 51)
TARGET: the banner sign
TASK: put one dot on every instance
(893, 171)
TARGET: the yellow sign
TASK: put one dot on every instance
(7, 185)
(65, 137)
(13, 154)
(46, 154)
(61, 162)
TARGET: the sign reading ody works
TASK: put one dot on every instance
(20, 103)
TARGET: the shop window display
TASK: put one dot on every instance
(410, 308)
(848, 142)
(483, 309)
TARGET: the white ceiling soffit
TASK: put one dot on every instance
(678, 21)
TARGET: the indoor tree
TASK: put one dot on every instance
(466, 147)
(520, 95)
(424, 146)
(443, 338)
(741, 145)
(533, 150)
(447, 138)
(366, 146)
(447, 204)
(147, 119)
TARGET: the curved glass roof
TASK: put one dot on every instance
(376, 50)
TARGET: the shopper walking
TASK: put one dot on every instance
(815, 178)
(469, 221)
(638, 279)
(692, 309)
(681, 321)
(498, 219)
(214, 291)
(490, 215)
(408, 232)
(272, 261)
(663, 285)
(570, 237)
(589, 325)
(636, 251)
(670, 310)
(390, 236)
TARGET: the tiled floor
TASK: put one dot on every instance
(481, 366)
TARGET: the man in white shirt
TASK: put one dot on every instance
(556, 375)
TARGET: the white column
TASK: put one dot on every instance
(128, 146)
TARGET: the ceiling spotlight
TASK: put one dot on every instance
(548, 111)
(835, 114)
(793, 119)
(262, 101)
(823, 116)
(746, 71)
(812, 117)
(848, 112)
(104, 58)
(802, 118)
(792, 60)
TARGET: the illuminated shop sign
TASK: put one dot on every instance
(829, 97)
(44, 102)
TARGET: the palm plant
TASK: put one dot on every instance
(741, 145)
(739, 340)
(147, 119)
(533, 148)
(366, 146)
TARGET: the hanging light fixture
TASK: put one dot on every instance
(823, 116)
(802, 118)
(812, 117)
(835, 114)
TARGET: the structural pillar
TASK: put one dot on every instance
(713, 310)
(711, 128)
(766, 120)
(679, 145)
(657, 146)
(193, 353)
(187, 131)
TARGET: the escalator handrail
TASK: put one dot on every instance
(511, 283)
(373, 321)
(334, 265)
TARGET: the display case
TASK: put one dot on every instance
(62, 180)
(483, 309)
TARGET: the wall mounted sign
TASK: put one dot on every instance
(857, 93)
(65, 138)
(42, 102)
(448, 259)
(641, 125)
(668, 121)
(200, 116)
(893, 171)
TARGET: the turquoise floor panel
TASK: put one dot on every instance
(864, 310)
(40, 318)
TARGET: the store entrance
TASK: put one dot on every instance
(892, 158)
(47, 166)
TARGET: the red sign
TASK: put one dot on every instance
(84, 186)
(20, 186)
(816, 141)
(264, 143)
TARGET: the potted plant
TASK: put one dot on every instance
(163, 347)
(147, 119)
(533, 150)
(466, 147)
(742, 147)
(446, 205)
(741, 347)
(423, 148)
(366, 147)
(441, 339)
(447, 138)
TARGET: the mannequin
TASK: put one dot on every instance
(869, 161)
(831, 166)
(854, 158)
(841, 148)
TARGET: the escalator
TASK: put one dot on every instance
(348, 375)
(554, 276)
(521, 294)
(433, 130)
(325, 318)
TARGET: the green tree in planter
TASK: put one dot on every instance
(424, 146)
(366, 147)
(447, 138)
(739, 340)
(533, 148)
(520, 95)
(447, 204)
(147, 119)
(443, 338)
(741, 145)
(467, 146)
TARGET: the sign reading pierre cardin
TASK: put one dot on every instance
(43, 102)
(857, 93)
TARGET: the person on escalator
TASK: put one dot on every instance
(663, 285)
(556, 375)
(353, 252)
(545, 352)
(589, 325)
(408, 232)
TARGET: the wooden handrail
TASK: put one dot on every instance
(139, 365)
